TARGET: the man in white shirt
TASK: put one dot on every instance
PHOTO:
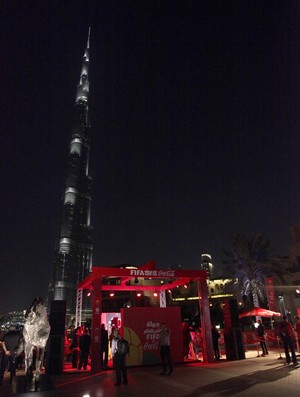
(119, 360)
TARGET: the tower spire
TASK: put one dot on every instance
(84, 85)
(74, 246)
(88, 41)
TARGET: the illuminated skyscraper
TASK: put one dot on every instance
(74, 246)
(206, 264)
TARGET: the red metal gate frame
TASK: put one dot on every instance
(95, 281)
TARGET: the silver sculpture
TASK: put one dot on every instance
(35, 332)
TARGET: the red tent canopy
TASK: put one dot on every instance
(259, 312)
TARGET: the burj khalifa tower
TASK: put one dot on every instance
(74, 246)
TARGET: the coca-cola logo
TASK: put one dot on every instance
(151, 346)
(166, 273)
(152, 273)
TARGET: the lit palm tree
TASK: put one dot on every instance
(249, 263)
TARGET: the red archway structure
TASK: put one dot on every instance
(98, 279)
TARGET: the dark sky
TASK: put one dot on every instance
(193, 107)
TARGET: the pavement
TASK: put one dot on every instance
(252, 377)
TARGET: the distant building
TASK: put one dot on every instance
(74, 246)
(207, 265)
(15, 317)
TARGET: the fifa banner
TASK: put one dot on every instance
(141, 327)
(271, 294)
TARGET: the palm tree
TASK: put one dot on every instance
(249, 263)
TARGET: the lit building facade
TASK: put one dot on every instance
(74, 246)
(207, 265)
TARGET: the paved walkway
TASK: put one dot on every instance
(252, 377)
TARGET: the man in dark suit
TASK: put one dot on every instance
(104, 347)
(84, 346)
(10, 346)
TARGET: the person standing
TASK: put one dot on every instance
(119, 358)
(84, 346)
(287, 335)
(215, 340)
(10, 346)
(75, 346)
(198, 342)
(297, 329)
(261, 333)
(165, 351)
(186, 339)
(104, 347)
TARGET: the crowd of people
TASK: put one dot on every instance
(79, 347)
(193, 341)
(116, 348)
(287, 333)
(79, 344)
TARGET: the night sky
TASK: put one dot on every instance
(195, 130)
